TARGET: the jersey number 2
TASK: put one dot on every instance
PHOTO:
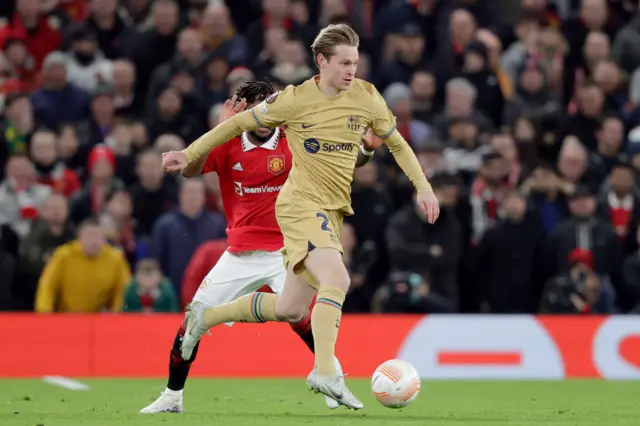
(325, 222)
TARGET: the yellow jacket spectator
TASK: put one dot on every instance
(85, 275)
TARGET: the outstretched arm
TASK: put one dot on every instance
(223, 132)
(407, 160)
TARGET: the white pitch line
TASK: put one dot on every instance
(65, 382)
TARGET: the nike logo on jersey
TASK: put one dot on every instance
(237, 167)
(306, 126)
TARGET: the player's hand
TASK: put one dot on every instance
(174, 161)
(370, 142)
(428, 205)
(232, 107)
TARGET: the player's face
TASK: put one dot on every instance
(341, 68)
(262, 132)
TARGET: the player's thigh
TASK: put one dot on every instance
(324, 262)
(233, 276)
(294, 299)
(306, 227)
(326, 265)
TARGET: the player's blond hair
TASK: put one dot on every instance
(332, 36)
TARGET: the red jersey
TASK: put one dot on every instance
(250, 180)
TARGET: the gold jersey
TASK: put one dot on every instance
(324, 135)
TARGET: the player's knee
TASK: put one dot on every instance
(334, 277)
(327, 267)
(291, 313)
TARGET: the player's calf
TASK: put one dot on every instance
(170, 400)
(326, 266)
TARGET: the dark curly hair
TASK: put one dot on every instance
(255, 91)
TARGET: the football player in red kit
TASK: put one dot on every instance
(252, 169)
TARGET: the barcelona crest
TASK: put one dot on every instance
(276, 164)
(354, 124)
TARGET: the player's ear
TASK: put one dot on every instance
(320, 60)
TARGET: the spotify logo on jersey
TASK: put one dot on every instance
(311, 146)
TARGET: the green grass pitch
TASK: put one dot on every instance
(287, 402)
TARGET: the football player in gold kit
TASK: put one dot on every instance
(324, 119)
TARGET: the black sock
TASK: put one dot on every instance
(303, 330)
(178, 367)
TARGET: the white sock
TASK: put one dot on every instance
(173, 392)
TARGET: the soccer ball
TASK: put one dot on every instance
(395, 383)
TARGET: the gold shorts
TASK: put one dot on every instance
(305, 227)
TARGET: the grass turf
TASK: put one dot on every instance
(287, 402)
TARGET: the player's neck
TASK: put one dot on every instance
(258, 141)
(327, 89)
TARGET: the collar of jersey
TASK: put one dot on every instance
(271, 144)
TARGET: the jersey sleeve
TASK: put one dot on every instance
(277, 109)
(384, 123)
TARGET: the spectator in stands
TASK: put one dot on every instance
(460, 101)
(50, 170)
(430, 154)
(41, 33)
(624, 51)
(118, 225)
(423, 91)
(494, 52)
(219, 35)
(109, 26)
(410, 58)
(585, 121)
(15, 128)
(52, 230)
(8, 272)
(505, 145)
(86, 65)
(212, 86)
(125, 100)
(90, 200)
(597, 48)
(149, 291)
(548, 195)
(57, 90)
(102, 118)
(629, 294)
(574, 167)
(610, 140)
(155, 43)
(177, 234)
(20, 195)
(154, 194)
(411, 293)
(609, 77)
(533, 98)
(465, 149)
(171, 117)
(620, 205)
(449, 56)
(85, 275)
(188, 58)
(587, 232)
(292, 63)
(477, 71)
(509, 260)
(398, 98)
(487, 193)
(416, 246)
(579, 290)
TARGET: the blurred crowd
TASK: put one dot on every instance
(527, 124)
